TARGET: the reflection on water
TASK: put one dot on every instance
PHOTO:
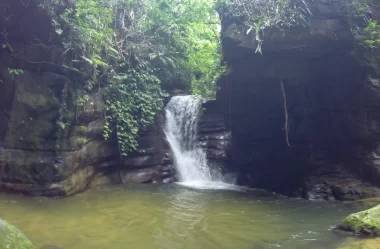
(182, 217)
(176, 217)
(210, 185)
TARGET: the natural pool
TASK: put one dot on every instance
(176, 217)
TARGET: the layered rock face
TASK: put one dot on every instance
(152, 162)
(49, 144)
(214, 137)
(331, 86)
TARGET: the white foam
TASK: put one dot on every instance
(190, 160)
(217, 185)
(182, 113)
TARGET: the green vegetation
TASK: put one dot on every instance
(137, 50)
(372, 31)
(81, 140)
(363, 10)
(259, 16)
(14, 72)
(11, 237)
(366, 222)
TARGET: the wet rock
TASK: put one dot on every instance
(157, 174)
(148, 175)
(12, 238)
(46, 144)
(214, 137)
(365, 223)
(142, 161)
(169, 180)
(320, 192)
(348, 193)
(152, 161)
(335, 182)
(167, 159)
(167, 167)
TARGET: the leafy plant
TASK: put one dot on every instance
(258, 16)
(15, 71)
(372, 31)
(261, 15)
(134, 99)
(135, 49)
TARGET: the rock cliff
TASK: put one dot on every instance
(215, 138)
(320, 83)
(51, 137)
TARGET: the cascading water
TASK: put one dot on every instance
(182, 113)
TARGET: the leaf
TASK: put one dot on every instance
(249, 30)
(87, 60)
(100, 62)
(9, 46)
(113, 50)
(58, 31)
(61, 124)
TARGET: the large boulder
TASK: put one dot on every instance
(365, 223)
(12, 238)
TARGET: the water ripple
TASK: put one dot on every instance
(202, 216)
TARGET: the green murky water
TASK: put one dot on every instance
(175, 217)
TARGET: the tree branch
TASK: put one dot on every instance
(286, 128)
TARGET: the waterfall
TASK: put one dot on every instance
(182, 114)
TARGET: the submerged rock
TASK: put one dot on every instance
(12, 238)
(365, 223)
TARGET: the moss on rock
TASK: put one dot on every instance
(12, 238)
(366, 222)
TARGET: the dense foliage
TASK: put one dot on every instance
(372, 31)
(364, 10)
(260, 15)
(137, 49)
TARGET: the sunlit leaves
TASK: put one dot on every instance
(137, 48)
(372, 31)
(261, 15)
(133, 100)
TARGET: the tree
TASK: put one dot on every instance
(136, 49)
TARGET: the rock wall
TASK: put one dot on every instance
(49, 148)
(49, 144)
(331, 85)
(152, 162)
(214, 136)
